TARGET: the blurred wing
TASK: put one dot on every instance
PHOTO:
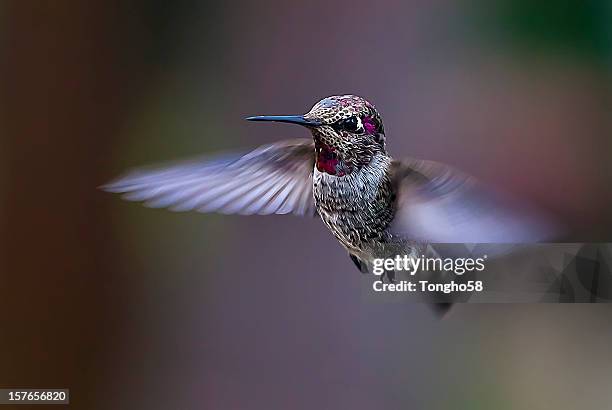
(272, 179)
(438, 204)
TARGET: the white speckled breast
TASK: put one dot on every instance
(358, 207)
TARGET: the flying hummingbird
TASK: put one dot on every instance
(375, 206)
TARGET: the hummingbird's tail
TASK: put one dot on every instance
(441, 309)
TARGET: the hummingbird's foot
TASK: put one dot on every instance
(361, 265)
(390, 274)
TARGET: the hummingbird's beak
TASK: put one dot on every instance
(291, 119)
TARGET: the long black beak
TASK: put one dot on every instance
(291, 119)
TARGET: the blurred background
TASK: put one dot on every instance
(138, 308)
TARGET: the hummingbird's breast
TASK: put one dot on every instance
(357, 207)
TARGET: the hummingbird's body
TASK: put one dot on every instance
(374, 205)
(358, 209)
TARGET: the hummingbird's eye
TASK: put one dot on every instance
(350, 124)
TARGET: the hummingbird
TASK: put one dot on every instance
(375, 206)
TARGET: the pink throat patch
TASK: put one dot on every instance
(327, 160)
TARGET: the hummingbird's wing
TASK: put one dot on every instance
(436, 203)
(272, 179)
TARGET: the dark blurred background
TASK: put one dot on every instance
(137, 308)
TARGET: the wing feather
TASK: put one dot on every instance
(274, 178)
(436, 203)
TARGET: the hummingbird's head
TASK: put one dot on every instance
(347, 130)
